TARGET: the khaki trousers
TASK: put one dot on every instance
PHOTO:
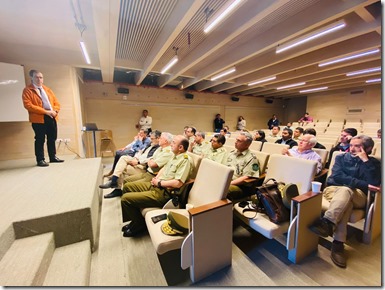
(123, 166)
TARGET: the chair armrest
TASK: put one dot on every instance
(323, 172)
(303, 197)
(209, 206)
(251, 180)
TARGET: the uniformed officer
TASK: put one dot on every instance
(244, 163)
(200, 144)
(159, 190)
(161, 156)
(216, 152)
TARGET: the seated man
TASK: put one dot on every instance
(245, 165)
(140, 142)
(304, 150)
(133, 165)
(200, 144)
(156, 193)
(314, 132)
(305, 119)
(344, 143)
(275, 132)
(297, 133)
(286, 138)
(353, 174)
(161, 156)
(216, 152)
(190, 135)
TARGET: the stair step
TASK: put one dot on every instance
(70, 265)
(27, 260)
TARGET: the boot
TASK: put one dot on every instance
(337, 254)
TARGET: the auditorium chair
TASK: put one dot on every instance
(256, 145)
(207, 248)
(107, 144)
(305, 208)
(371, 213)
(273, 148)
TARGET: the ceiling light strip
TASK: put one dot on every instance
(353, 56)
(313, 35)
(364, 71)
(222, 74)
(85, 52)
(314, 90)
(262, 81)
(291, 86)
(372, 81)
(172, 62)
(221, 15)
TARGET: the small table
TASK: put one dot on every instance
(94, 137)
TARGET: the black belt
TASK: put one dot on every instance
(153, 174)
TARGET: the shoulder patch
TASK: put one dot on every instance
(185, 156)
(255, 167)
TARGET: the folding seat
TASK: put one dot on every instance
(208, 246)
(273, 148)
(305, 208)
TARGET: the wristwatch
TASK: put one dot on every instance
(159, 184)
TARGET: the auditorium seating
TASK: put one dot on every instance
(207, 248)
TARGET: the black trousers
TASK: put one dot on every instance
(49, 129)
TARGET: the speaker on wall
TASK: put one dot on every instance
(123, 91)
(188, 96)
(269, 101)
(235, 99)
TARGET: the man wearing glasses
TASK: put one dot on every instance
(305, 151)
(245, 165)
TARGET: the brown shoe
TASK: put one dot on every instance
(338, 255)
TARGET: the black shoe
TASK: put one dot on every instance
(109, 184)
(338, 255)
(115, 193)
(42, 163)
(322, 227)
(126, 227)
(55, 160)
(133, 231)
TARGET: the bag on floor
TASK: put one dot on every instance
(270, 197)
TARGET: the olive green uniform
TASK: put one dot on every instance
(218, 155)
(161, 157)
(140, 194)
(200, 148)
(244, 164)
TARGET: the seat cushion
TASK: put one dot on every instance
(262, 224)
(163, 243)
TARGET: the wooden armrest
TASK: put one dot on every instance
(322, 173)
(209, 206)
(254, 179)
(303, 197)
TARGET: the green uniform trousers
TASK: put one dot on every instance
(143, 177)
(141, 195)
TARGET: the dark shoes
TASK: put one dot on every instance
(338, 255)
(115, 193)
(323, 227)
(56, 160)
(133, 231)
(126, 227)
(42, 163)
(109, 184)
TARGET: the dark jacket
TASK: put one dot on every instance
(271, 123)
(319, 146)
(335, 148)
(354, 173)
(289, 142)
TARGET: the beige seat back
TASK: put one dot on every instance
(292, 170)
(273, 148)
(270, 139)
(230, 142)
(196, 163)
(263, 159)
(256, 145)
(211, 183)
(228, 148)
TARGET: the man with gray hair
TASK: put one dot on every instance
(354, 175)
(245, 165)
(305, 151)
(200, 144)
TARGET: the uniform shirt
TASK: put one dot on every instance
(161, 157)
(308, 155)
(218, 155)
(244, 163)
(179, 167)
(145, 122)
(200, 148)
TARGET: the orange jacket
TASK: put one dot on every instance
(34, 105)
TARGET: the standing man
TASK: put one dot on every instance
(218, 123)
(273, 122)
(145, 122)
(43, 108)
(157, 192)
(354, 174)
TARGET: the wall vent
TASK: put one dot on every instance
(357, 92)
(355, 111)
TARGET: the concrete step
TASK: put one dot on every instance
(27, 260)
(70, 266)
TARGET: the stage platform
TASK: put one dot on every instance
(62, 198)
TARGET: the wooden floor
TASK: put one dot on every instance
(257, 261)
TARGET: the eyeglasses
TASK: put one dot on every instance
(301, 140)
